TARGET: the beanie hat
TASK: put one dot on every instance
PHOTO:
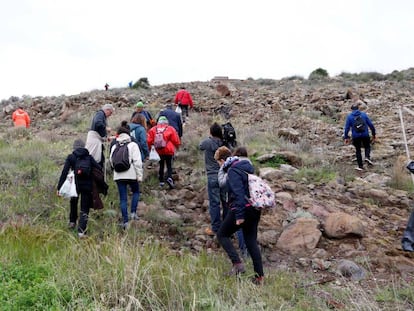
(140, 104)
(162, 120)
(78, 143)
(108, 107)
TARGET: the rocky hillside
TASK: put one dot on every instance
(345, 222)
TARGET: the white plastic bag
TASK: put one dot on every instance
(68, 189)
(154, 156)
(178, 110)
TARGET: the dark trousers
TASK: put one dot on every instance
(249, 228)
(165, 160)
(360, 142)
(73, 214)
(409, 230)
(86, 204)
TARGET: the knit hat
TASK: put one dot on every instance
(108, 107)
(162, 120)
(140, 104)
(78, 143)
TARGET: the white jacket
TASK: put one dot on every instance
(135, 172)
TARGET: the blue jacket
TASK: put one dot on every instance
(238, 187)
(99, 123)
(349, 124)
(174, 119)
(140, 135)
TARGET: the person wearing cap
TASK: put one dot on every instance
(21, 118)
(184, 100)
(98, 133)
(83, 187)
(139, 108)
(174, 118)
(359, 122)
(166, 153)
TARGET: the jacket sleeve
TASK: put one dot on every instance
(143, 137)
(65, 172)
(371, 126)
(27, 120)
(151, 136)
(135, 155)
(190, 100)
(237, 187)
(347, 127)
(174, 137)
(222, 177)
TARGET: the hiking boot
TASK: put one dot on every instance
(134, 216)
(360, 169)
(407, 246)
(209, 232)
(170, 182)
(162, 184)
(258, 280)
(369, 161)
(237, 269)
(72, 225)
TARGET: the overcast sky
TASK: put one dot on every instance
(52, 47)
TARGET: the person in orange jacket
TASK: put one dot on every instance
(166, 153)
(21, 118)
(184, 100)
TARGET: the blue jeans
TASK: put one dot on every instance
(216, 196)
(123, 197)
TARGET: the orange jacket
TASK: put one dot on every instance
(21, 118)
(170, 136)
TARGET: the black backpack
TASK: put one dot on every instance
(359, 124)
(120, 158)
(229, 135)
(83, 167)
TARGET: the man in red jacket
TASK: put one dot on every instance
(183, 100)
(171, 143)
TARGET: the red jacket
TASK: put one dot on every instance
(170, 135)
(184, 97)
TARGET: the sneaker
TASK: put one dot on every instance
(210, 232)
(134, 216)
(162, 184)
(170, 182)
(72, 225)
(125, 226)
(407, 246)
(359, 169)
(237, 269)
(81, 235)
(258, 280)
(369, 161)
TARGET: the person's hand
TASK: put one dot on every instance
(57, 193)
(373, 139)
(239, 221)
(346, 140)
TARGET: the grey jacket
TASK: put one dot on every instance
(209, 146)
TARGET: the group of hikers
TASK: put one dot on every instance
(227, 167)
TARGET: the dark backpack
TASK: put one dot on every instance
(159, 141)
(229, 135)
(83, 167)
(120, 158)
(359, 124)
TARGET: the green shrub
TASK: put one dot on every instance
(318, 74)
(142, 83)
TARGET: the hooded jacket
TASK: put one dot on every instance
(135, 171)
(170, 136)
(21, 118)
(184, 98)
(238, 188)
(349, 124)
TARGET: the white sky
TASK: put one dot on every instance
(55, 47)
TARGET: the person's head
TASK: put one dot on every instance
(240, 152)
(139, 106)
(124, 123)
(355, 106)
(123, 130)
(221, 154)
(138, 118)
(108, 109)
(162, 120)
(78, 143)
(216, 131)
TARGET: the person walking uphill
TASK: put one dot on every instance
(184, 100)
(216, 194)
(132, 176)
(165, 140)
(240, 215)
(83, 180)
(98, 133)
(21, 118)
(359, 122)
